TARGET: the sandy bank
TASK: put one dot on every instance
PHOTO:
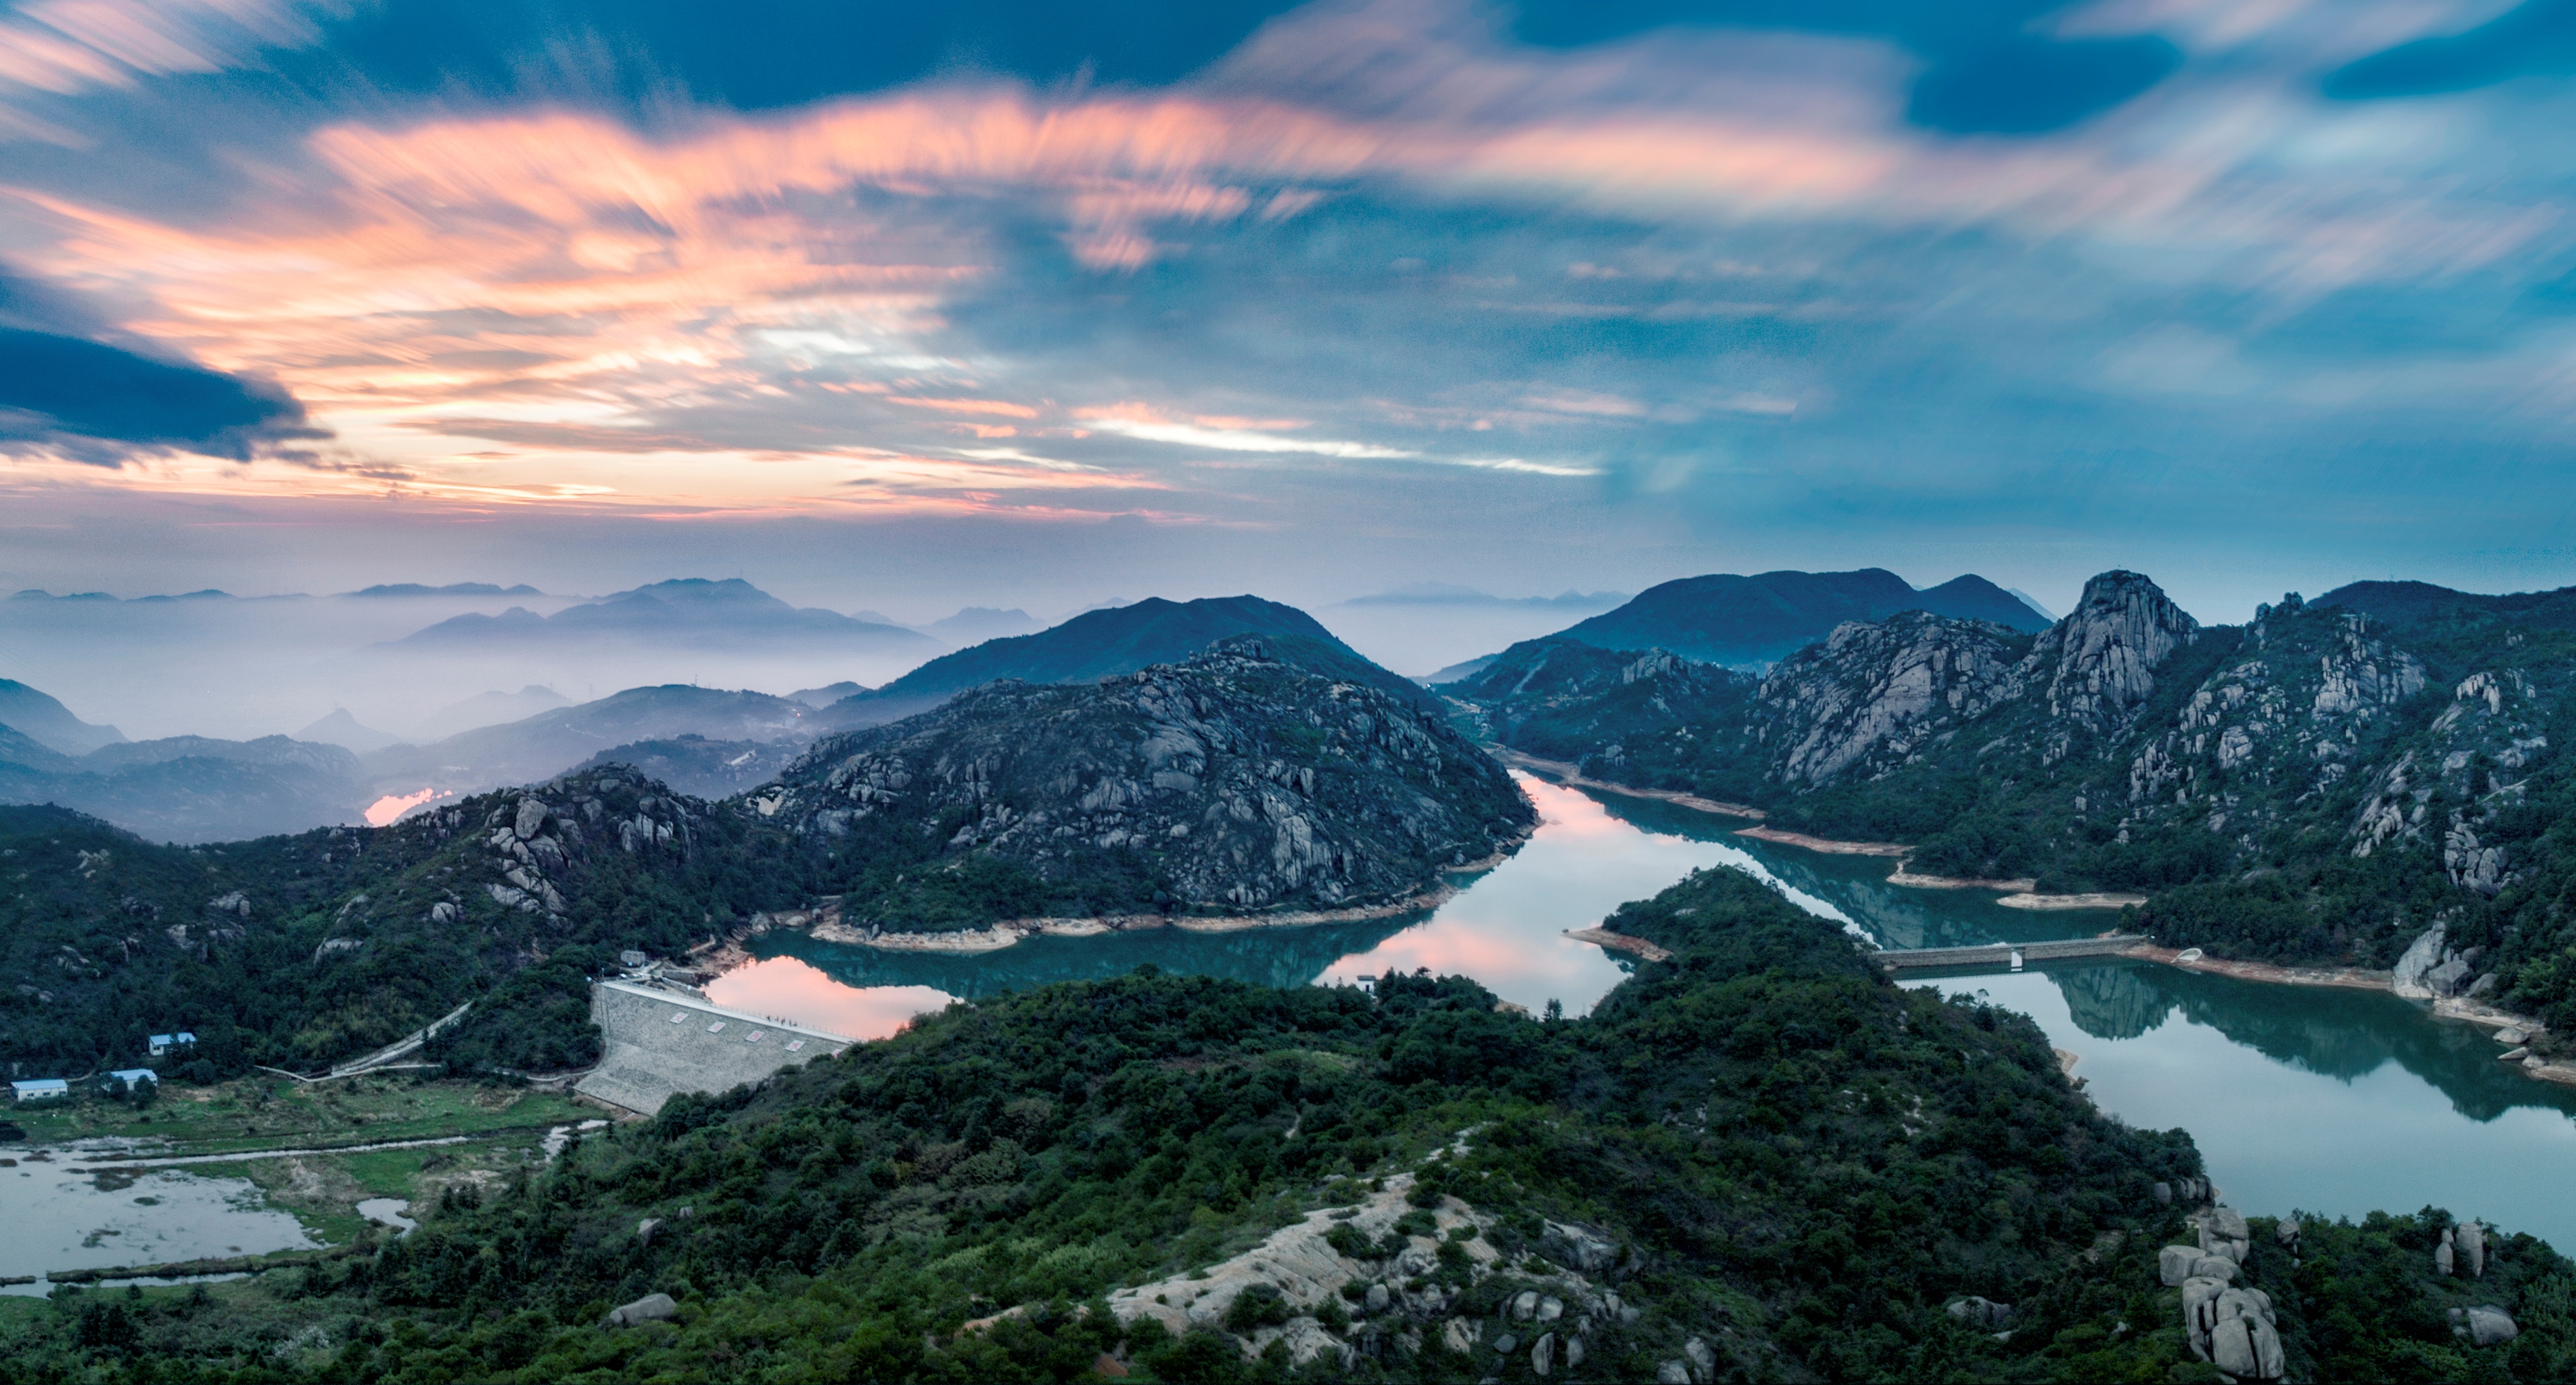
(1905, 876)
(2347, 978)
(1619, 942)
(2027, 900)
(825, 924)
(1573, 778)
(1827, 845)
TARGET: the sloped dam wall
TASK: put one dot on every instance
(659, 1044)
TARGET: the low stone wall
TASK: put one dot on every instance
(659, 1044)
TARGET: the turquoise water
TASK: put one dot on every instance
(2306, 1098)
(1505, 927)
(2301, 1098)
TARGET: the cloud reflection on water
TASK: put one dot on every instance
(797, 991)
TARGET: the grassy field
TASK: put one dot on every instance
(274, 1113)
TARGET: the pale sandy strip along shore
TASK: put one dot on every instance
(1573, 778)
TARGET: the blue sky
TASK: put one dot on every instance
(1036, 304)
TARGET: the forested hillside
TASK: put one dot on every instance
(1758, 1161)
(2320, 785)
(1235, 782)
(1761, 1155)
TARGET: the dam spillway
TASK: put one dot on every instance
(657, 1044)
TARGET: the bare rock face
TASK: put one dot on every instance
(2099, 662)
(650, 1308)
(1872, 694)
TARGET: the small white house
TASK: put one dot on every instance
(163, 1043)
(135, 1077)
(42, 1089)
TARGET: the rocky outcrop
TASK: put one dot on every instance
(650, 1308)
(2230, 1326)
(1375, 1261)
(1238, 781)
(2098, 664)
(1869, 696)
(2431, 970)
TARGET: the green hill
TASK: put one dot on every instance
(1104, 643)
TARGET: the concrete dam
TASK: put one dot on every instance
(658, 1044)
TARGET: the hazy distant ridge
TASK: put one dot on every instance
(1729, 619)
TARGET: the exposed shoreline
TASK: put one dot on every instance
(2562, 1072)
(2095, 900)
(1830, 846)
(1608, 941)
(2017, 894)
(823, 923)
(1905, 876)
(1573, 778)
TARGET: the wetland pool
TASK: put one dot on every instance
(64, 1215)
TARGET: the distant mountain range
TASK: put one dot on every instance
(694, 612)
(1445, 594)
(976, 624)
(451, 589)
(187, 788)
(50, 723)
(387, 589)
(487, 709)
(347, 732)
(548, 743)
(1727, 619)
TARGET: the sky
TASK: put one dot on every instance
(911, 307)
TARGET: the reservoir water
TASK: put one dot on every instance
(2301, 1098)
(2320, 1100)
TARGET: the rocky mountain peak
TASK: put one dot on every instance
(1874, 693)
(2099, 661)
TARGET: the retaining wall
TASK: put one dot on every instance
(659, 1044)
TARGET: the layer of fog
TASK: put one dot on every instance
(240, 668)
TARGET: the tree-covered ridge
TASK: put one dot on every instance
(2318, 785)
(1799, 1165)
(296, 951)
(1234, 782)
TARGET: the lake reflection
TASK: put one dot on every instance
(2326, 1100)
(1505, 928)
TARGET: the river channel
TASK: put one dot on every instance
(2301, 1098)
